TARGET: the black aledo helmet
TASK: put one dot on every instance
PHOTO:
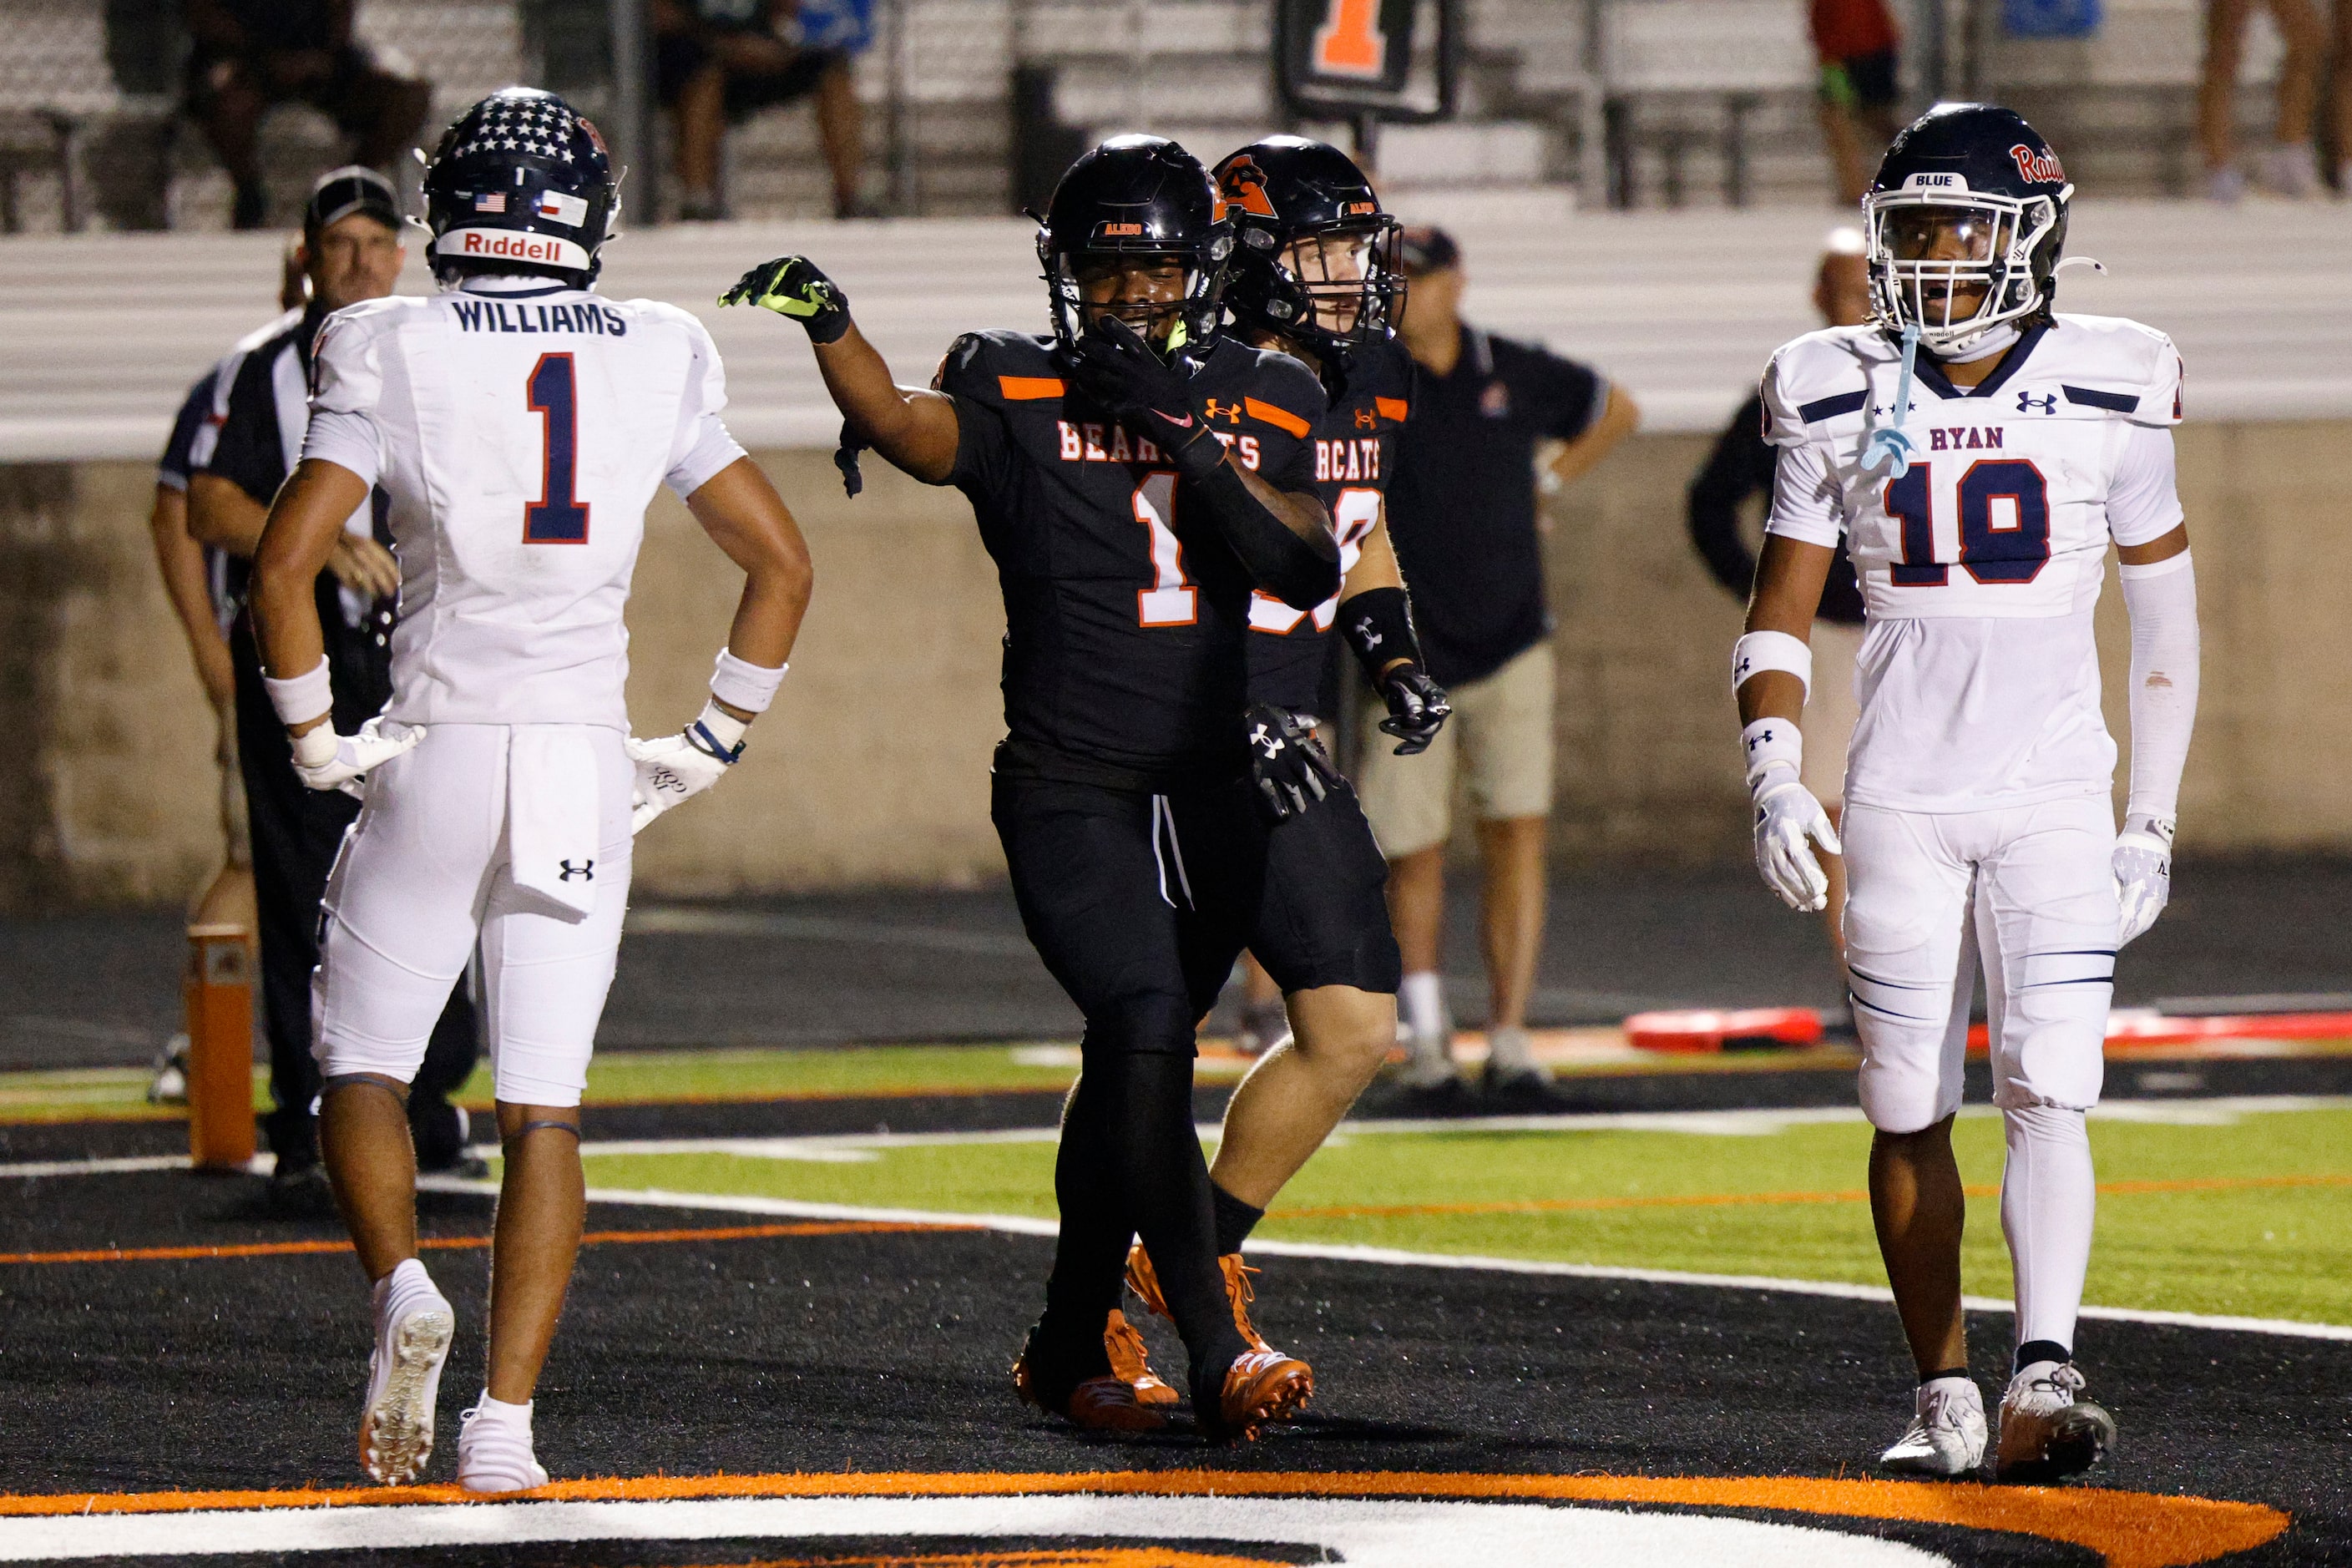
(1137, 197)
(1969, 198)
(1338, 288)
(521, 182)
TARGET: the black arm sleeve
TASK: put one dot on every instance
(1301, 573)
(1740, 465)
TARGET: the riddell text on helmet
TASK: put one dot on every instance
(513, 247)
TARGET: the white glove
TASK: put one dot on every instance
(676, 768)
(1789, 823)
(328, 761)
(2143, 867)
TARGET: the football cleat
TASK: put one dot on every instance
(1144, 1280)
(2048, 1431)
(494, 1449)
(1262, 1386)
(413, 1323)
(1131, 1363)
(1107, 1403)
(1946, 1435)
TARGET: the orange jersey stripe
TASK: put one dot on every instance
(1280, 419)
(1390, 407)
(1029, 388)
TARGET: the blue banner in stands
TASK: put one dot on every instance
(2050, 18)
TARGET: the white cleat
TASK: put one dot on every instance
(413, 1323)
(494, 1449)
(1946, 1436)
(2048, 1431)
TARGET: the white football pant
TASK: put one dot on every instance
(426, 873)
(2028, 891)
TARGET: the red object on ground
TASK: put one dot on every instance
(2128, 1028)
(1734, 1029)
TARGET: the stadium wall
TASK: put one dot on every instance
(873, 768)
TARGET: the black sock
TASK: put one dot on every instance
(2033, 1351)
(1235, 1219)
(1090, 1254)
(1927, 1377)
(1165, 1183)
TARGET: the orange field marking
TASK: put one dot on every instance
(1069, 1557)
(455, 1243)
(2130, 1529)
(1731, 1200)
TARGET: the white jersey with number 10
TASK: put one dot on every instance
(1979, 676)
(521, 427)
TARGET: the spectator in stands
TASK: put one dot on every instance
(1856, 43)
(351, 251)
(717, 62)
(2290, 165)
(1462, 514)
(1740, 471)
(252, 54)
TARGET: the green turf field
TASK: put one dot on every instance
(2247, 1219)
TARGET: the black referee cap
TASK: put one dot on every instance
(354, 188)
(1423, 248)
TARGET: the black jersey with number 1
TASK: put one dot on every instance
(1126, 611)
(1355, 452)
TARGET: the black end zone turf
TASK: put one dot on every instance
(889, 1352)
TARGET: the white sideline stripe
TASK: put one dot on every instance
(1023, 1224)
(1367, 1533)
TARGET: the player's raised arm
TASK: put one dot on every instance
(305, 525)
(915, 429)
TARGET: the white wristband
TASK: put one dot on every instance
(750, 686)
(1772, 744)
(303, 698)
(1759, 651)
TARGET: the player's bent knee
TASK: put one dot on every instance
(331, 1083)
(1903, 1097)
(1143, 1023)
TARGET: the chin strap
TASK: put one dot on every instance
(1888, 444)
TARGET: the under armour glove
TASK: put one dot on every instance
(1418, 709)
(2143, 867)
(1286, 763)
(791, 285)
(1789, 823)
(674, 769)
(1153, 398)
(328, 761)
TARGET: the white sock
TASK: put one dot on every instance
(2048, 1200)
(499, 1412)
(1423, 997)
(1511, 1050)
(407, 1283)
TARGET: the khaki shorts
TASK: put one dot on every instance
(1831, 709)
(1500, 738)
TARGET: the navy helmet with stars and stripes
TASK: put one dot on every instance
(521, 182)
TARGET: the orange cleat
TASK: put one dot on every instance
(1144, 1280)
(1263, 1386)
(1097, 1405)
(1131, 1363)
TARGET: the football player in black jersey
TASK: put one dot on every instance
(1136, 477)
(1314, 276)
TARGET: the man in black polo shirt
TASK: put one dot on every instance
(352, 251)
(1462, 512)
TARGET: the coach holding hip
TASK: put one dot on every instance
(1462, 512)
(352, 251)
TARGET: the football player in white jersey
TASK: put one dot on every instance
(521, 424)
(1978, 452)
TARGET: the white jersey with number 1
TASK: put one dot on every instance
(1978, 677)
(521, 427)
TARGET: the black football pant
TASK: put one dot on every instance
(297, 832)
(1139, 904)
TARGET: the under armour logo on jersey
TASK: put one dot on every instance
(2047, 403)
(1231, 412)
(585, 871)
(1367, 420)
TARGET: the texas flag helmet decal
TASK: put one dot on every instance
(570, 211)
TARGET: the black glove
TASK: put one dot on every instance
(1286, 763)
(1153, 398)
(1417, 708)
(791, 285)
